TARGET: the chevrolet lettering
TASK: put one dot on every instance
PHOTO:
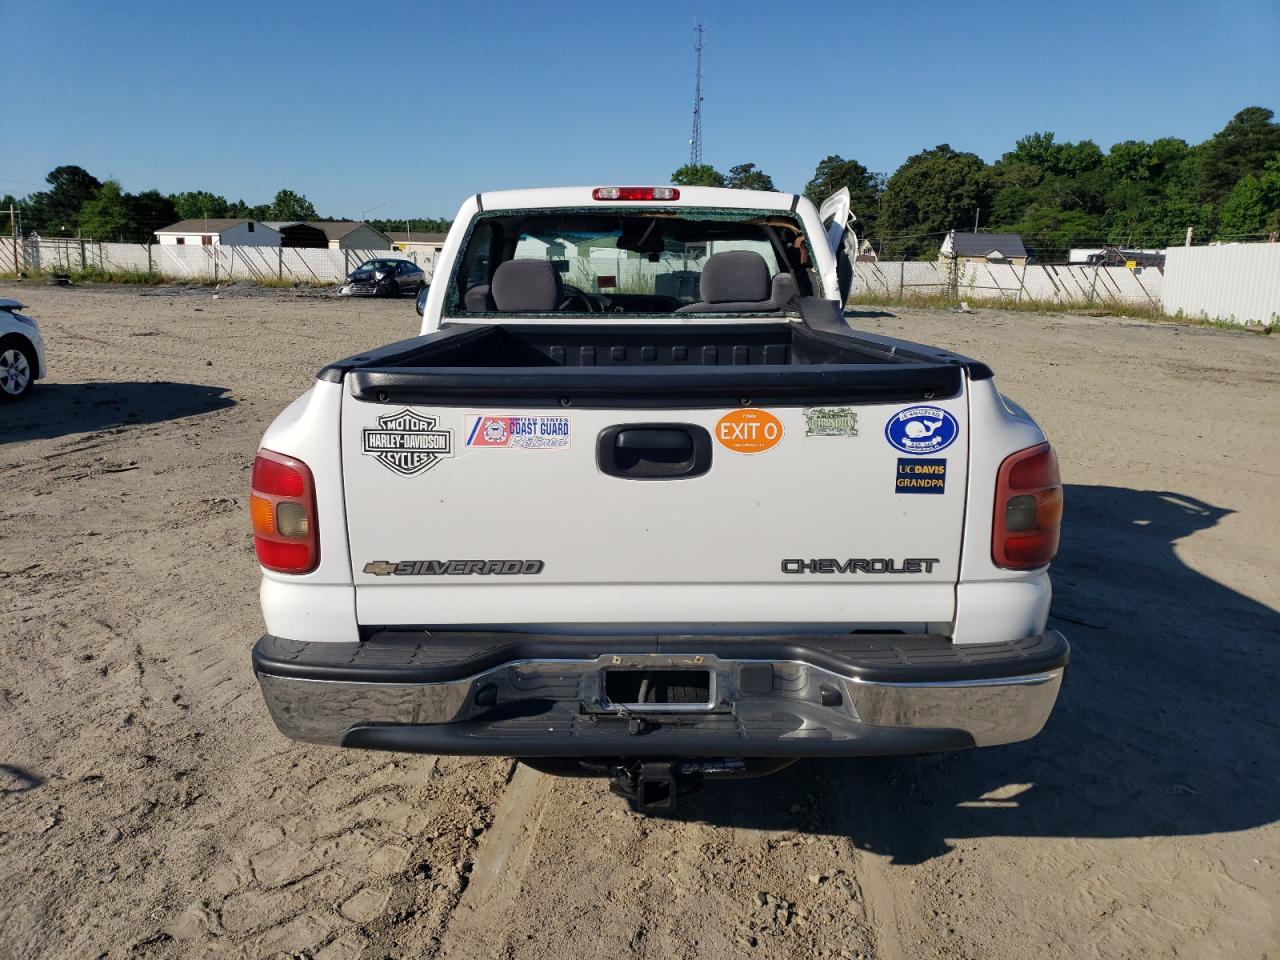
(671, 517)
(878, 565)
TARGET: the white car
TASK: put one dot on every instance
(639, 502)
(21, 352)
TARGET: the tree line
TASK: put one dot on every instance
(1057, 195)
(78, 204)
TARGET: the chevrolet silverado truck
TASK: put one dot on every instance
(639, 502)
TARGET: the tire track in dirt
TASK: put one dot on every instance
(479, 924)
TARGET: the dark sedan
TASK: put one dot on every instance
(384, 278)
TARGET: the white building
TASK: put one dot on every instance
(429, 244)
(218, 232)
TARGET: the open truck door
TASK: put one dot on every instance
(837, 221)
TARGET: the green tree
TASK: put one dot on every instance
(199, 205)
(413, 225)
(105, 216)
(746, 176)
(288, 205)
(148, 212)
(934, 191)
(1253, 206)
(56, 212)
(865, 189)
(239, 210)
(1240, 149)
(698, 175)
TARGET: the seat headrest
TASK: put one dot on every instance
(526, 286)
(477, 299)
(735, 275)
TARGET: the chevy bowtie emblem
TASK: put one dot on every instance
(407, 442)
(379, 568)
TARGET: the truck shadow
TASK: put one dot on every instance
(1166, 724)
(56, 409)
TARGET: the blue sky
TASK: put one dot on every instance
(423, 103)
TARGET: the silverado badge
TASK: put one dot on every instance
(408, 443)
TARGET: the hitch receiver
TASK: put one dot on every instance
(651, 787)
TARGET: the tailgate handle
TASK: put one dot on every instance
(650, 438)
(654, 451)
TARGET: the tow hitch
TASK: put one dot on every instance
(657, 786)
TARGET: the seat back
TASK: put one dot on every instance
(526, 286)
(738, 280)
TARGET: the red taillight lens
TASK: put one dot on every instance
(1028, 509)
(282, 509)
(278, 477)
(635, 193)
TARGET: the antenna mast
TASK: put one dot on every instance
(695, 141)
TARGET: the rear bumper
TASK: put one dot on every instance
(534, 696)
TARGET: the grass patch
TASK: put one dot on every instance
(93, 275)
(150, 278)
(1025, 305)
(942, 301)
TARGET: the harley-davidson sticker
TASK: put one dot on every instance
(407, 442)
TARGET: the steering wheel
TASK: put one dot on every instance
(572, 294)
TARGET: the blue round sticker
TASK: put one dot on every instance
(921, 430)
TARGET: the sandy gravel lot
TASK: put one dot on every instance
(149, 808)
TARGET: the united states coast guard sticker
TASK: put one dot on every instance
(921, 430)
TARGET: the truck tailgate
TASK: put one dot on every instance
(506, 514)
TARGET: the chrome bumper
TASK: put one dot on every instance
(556, 706)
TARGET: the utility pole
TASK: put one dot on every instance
(695, 141)
(975, 219)
(1188, 242)
(13, 227)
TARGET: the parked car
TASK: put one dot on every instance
(21, 352)
(383, 278)
(638, 502)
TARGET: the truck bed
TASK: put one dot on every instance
(817, 361)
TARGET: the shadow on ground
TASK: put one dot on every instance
(56, 409)
(1166, 724)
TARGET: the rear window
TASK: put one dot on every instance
(632, 261)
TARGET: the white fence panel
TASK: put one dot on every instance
(1238, 282)
(1003, 281)
(196, 261)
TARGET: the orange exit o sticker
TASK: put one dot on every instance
(749, 431)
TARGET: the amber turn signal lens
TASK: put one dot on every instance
(262, 514)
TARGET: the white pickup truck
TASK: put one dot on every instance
(638, 502)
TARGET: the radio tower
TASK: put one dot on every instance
(695, 141)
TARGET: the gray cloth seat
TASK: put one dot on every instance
(526, 286)
(478, 299)
(738, 281)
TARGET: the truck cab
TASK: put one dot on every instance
(638, 501)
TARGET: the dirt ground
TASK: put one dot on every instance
(149, 808)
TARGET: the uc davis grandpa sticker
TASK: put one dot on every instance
(921, 430)
(920, 476)
(749, 431)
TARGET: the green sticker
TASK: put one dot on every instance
(830, 422)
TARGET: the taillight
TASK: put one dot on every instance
(635, 193)
(282, 508)
(1028, 510)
